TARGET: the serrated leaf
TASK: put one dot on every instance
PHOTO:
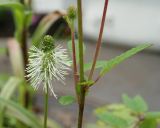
(44, 26)
(149, 123)
(66, 100)
(69, 44)
(15, 110)
(119, 59)
(113, 120)
(136, 104)
(99, 64)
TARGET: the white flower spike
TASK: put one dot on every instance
(47, 63)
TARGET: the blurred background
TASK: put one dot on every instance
(128, 23)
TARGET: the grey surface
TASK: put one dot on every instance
(128, 21)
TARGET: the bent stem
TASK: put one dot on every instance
(46, 107)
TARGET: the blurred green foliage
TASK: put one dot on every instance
(131, 113)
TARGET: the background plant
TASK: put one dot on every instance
(131, 113)
(82, 83)
(23, 15)
(18, 50)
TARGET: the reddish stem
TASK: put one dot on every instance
(99, 39)
(74, 61)
(74, 58)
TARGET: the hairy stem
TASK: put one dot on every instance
(99, 39)
(46, 108)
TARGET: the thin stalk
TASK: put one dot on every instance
(74, 60)
(80, 37)
(99, 39)
(25, 60)
(46, 108)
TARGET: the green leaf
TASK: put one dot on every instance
(12, 5)
(9, 87)
(19, 23)
(69, 44)
(28, 17)
(119, 59)
(7, 91)
(99, 64)
(16, 111)
(66, 100)
(141, 104)
(113, 120)
(137, 104)
(153, 115)
(119, 110)
(44, 26)
(149, 123)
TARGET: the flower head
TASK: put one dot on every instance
(47, 63)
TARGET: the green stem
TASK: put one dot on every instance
(25, 93)
(80, 38)
(46, 108)
(81, 108)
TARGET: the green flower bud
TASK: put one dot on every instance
(47, 43)
(72, 12)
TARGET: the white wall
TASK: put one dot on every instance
(128, 22)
